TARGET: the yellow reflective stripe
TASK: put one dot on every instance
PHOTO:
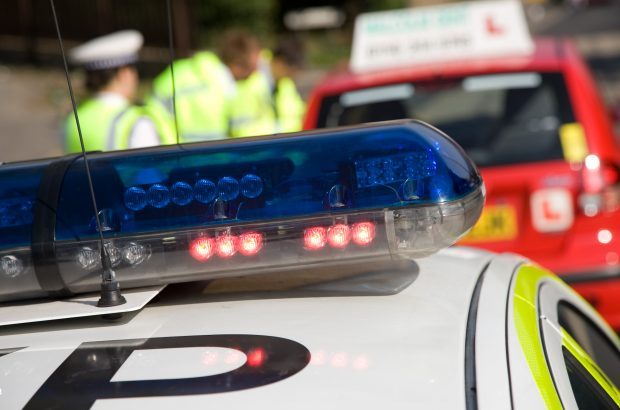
(591, 367)
(528, 331)
(601, 323)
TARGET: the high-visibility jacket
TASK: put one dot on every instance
(252, 111)
(289, 106)
(204, 92)
(108, 126)
(265, 106)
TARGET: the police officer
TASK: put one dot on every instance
(109, 120)
(206, 95)
(272, 103)
(288, 59)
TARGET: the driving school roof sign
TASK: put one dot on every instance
(425, 35)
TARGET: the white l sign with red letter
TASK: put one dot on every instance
(552, 210)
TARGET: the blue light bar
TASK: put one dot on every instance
(205, 191)
(182, 193)
(135, 198)
(267, 178)
(251, 186)
(19, 185)
(395, 168)
(411, 187)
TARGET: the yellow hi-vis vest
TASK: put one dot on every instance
(252, 111)
(262, 107)
(204, 92)
(108, 126)
(289, 106)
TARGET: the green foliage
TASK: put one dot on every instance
(377, 5)
(214, 16)
(332, 48)
(324, 47)
(328, 49)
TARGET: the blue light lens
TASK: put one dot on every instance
(380, 166)
(159, 196)
(251, 186)
(228, 188)
(135, 198)
(204, 191)
(395, 168)
(19, 188)
(182, 193)
(15, 212)
(441, 188)
(412, 189)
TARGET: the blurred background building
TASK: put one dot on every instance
(35, 99)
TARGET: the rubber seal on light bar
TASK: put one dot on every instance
(44, 227)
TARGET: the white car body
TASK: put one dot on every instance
(410, 349)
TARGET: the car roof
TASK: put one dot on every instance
(358, 343)
(548, 55)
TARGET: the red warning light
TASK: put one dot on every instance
(202, 248)
(226, 246)
(363, 233)
(315, 238)
(250, 243)
(256, 357)
(339, 235)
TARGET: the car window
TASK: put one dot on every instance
(588, 393)
(591, 339)
(498, 119)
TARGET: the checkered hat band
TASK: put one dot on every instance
(104, 64)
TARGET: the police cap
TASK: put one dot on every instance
(110, 51)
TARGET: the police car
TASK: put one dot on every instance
(281, 272)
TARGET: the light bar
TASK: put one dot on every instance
(198, 211)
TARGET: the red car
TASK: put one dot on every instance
(538, 129)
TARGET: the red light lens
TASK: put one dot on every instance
(250, 243)
(339, 235)
(256, 357)
(315, 238)
(363, 233)
(226, 246)
(202, 248)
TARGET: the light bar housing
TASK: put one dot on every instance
(409, 187)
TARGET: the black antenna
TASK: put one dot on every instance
(171, 54)
(110, 289)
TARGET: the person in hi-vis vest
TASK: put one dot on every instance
(206, 97)
(109, 119)
(271, 102)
